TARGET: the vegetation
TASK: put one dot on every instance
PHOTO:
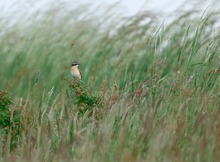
(9, 122)
(150, 91)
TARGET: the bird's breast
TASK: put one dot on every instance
(75, 73)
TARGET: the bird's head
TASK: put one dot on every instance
(75, 63)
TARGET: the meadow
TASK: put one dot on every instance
(152, 90)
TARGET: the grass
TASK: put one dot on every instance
(152, 90)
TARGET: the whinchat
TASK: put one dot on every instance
(75, 71)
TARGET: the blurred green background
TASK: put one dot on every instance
(158, 83)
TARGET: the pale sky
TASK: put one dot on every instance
(128, 7)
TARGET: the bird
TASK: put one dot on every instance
(75, 72)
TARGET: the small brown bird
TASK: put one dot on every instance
(75, 71)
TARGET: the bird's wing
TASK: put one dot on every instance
(80, 74)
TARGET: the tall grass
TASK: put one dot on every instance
(158, 85)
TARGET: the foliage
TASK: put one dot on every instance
(81, 96)
(5, 114)
(9, 120)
